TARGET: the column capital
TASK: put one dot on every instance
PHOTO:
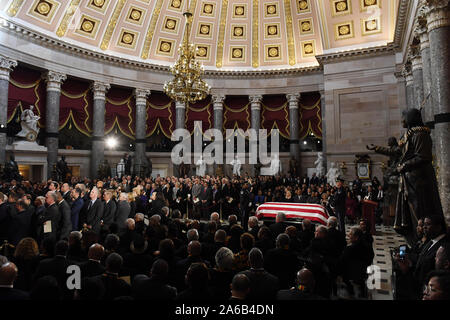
(255, 99)
(438, 15)
(416, 57)
(100, 89)
(141, 95)
(322, 94)
(6, 65)
(407, 73)
(421, 29)
(54, 80)
(180, 105)
(218, 100)
(293, 99)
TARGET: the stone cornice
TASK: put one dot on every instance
(404, 8)
(353, 54)
(33, 35)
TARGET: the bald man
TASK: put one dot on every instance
(93, 267)
(8, 274)
(303, 290)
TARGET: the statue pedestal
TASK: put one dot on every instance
(24, 145)
(30, 156)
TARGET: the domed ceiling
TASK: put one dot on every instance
(228, 34)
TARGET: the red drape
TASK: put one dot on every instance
(275, 114)
(120, 113)
(236, 113)
(310, 115)
(160, 113)
(26, 88)
(76, 104)
(200, 111)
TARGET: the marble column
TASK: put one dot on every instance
(218, 124)
(6, 65)
(407, 74)
(416, 66)
(98, 127)
(255, 108)
(294, 123)
(438, 23)
(324, 128)
(141, 128)
(180, 119)
(54, 81)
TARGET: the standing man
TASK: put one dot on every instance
(76, 207)
(93, 211)
(206, 199)
(65, 223)
(49, 221)
(244, 202)
(110, 209)
(339, 204)
(65, 190)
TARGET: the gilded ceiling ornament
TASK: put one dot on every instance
(87, 26)
(112, 24)
(309, 48)
(306, 26)
(208, 8)
(67, 17)
(151, 29)
(127, 38)
(272, 30)
(220, 39)
(201, 51)
(14, 7)
(43, 8)
(371, 25)
(237, 53)
(370, 2)
(204, 29)
(176, 3)
(238, 31)
(271, 9)
(136, 14)
(239, 11)
(341, 6)
(343, 30)
(303, 5)
(99, 3)
(165, 46)
(273, 52)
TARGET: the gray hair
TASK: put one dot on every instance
(280, 217)
(3, 260)
(332, 222)
(256, 258)
(123, 196)
(192, 235)
(282, 240)
(76, 235)
(224, 258)
(253, 219)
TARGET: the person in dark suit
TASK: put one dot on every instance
(93, 266)
(240, 287)
(8, 274)
(93, 211)
(194, 256)
(336, 237)
(306, 234)
(222, 274)
(339, 204)
(138, 260)
(412, 277)
(51, 217)
(66, 193)
(197, 281)
(114, 286)
(279, 226)
(4, 218)
(244, 202)
(282, 262)
(77, 205)
(109, 212)
(20, 224)
(154, 287)
(65, 222)
(253, 224)
(263, 285)
(303, 290)
(57, 267)
(122, 212)
(205, 198)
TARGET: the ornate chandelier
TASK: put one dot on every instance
(187, 84)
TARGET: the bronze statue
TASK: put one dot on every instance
(11, 170)
(104, 170)
(62, 170)
(418, 192)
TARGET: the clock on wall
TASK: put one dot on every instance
(362, 166)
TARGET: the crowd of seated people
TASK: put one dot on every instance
(149, 239)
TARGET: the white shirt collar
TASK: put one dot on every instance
(433, 241)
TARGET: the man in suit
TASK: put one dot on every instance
(8, 274)
(314, 179)
(65, 223)
(76, 207)
(49, 221)
(282, 262)
(337, 238)
(194, 255)
(122, 212)
(205, 197)
(93, 266)
(303, 290)
(279, 226)
(57, 267)
(244, 202)
(65, 191)
(93, 211)
(435, 229)
(263, 285)
(253, 225)
(20, 224)
(154, 287)
(196, 190)
(240, 287)
(339, 204)
(110, 209)
(4, 218)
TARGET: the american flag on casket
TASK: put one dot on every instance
(293, 211)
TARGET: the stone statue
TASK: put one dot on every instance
(333, 174)
(148, 167)
(275, 165)
(11, 170)
(293, 167)
(320, 165)
(63, 170)
(28, 122)
(121, 168)
(417, 192)
(236, 163)
(201, 167)
(127, 161)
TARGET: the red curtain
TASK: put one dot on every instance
(120, 114)
(236, 113)
(76, 104)
(310, 115)
(275, 114)
(26, 88)
(160, 114)
(200, 111)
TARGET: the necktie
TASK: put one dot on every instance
(90, 205)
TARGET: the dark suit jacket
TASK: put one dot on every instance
(114, 287)
(91, 268)
(94, 215)
(65, 223)
(263, 285)
(295, 294)
(20, 226)
(11, 294)
(206, 195)
(67, 198)
(122, 213)
(426, 261)
(56, 267)
(283, 264)
(76, 207)
(153, 288)
(4, 221)
(51, 213)
(110, 212)
(277, 228)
